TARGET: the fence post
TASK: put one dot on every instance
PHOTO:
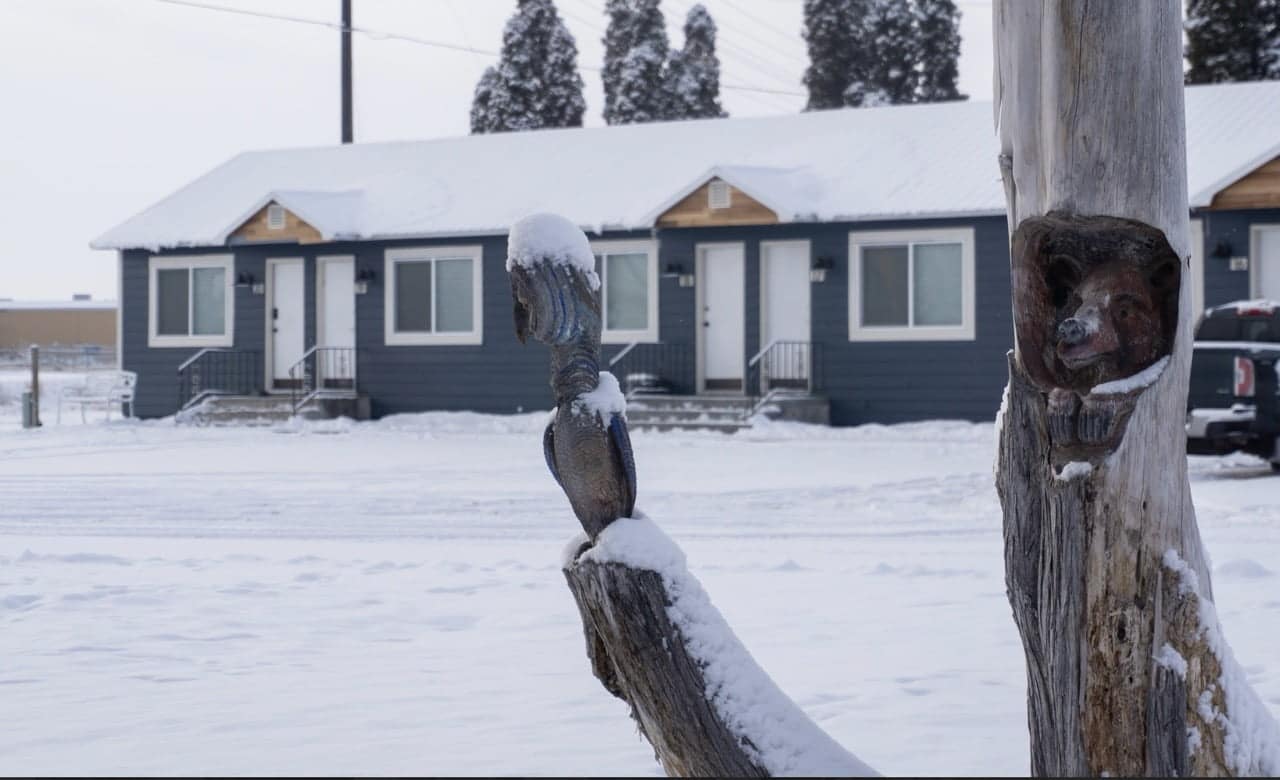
(35, 386)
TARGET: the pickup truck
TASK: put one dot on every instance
(1234, 403)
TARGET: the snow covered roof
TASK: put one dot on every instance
(855, 164)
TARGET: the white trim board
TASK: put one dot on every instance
(154, 264)
(650, 334)
(965, 331)
(394, 338)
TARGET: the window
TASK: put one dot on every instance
(911, 285)
(433, 296)
(191, 302)
(628, 290)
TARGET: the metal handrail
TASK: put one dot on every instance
(310, 384)
(187, 363)
(623, 353)
(756, 358)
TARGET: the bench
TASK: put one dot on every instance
(110, 389)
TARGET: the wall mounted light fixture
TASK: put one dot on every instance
(818, 273)
(363, 277)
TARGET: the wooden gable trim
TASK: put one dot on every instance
(256, 230)
(1258, 190)
(694, 210)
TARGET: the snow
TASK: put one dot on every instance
(386, 598)
(554, 239)
(1137, 381)
(1258, 304)
(1251, 744)
(1172, 660)
(781, 737)
(1074, 470)
(7, 305)
(605, 401)
(854, 164)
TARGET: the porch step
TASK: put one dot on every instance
(263, 410)
(688, 412)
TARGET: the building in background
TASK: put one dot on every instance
(78, 324)
(855, 259)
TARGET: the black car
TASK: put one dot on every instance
(1234, 403)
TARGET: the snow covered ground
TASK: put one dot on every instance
(384, 598)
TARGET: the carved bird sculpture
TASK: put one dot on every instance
(586, 444)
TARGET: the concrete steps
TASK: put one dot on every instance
(688, 413)
(264, 410)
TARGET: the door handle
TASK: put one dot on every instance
(275, 313)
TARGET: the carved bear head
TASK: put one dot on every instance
(1095, 299)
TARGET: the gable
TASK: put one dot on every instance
(1258, 190)
(256, 229)
(694, 210)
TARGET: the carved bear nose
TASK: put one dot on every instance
(1071, 332)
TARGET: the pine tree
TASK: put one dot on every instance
(617, 42)
(536, 82)
(482, 101)
(889, 53)
(831, 31)
(1232, 40)
(938, 23)
(634, 88)
(692, 80)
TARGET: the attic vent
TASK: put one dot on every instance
(718, 195)
(275, 217)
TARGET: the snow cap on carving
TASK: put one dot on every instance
(551, 238)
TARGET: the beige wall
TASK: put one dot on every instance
(20, 328)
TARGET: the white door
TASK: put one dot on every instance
(336, 321)
(784, 311)
(722, 283)
(1267, 262)
(285, 317)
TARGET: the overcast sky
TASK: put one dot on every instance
(109, 105)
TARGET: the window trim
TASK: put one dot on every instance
(965, 331)
(394, 338)
(188, 262)
(647, 335)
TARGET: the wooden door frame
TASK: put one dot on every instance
(1255, 255)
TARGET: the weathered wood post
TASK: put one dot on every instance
(653, 637)
(1127, 672)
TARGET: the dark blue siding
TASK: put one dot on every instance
(868, 381)
(1221, 284)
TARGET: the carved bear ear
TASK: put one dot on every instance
(1166, 277)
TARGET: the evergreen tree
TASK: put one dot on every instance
(889, 53)
(693, 73)
(1232, 40)
(482, 101)
(938, 22)
(634, 84)
(832, 34)
(617, 42)
(536, 82)
(881, 52)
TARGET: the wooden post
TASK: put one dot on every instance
(348, 123)
(35, 386)
(1127, 671)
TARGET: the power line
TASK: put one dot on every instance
(382, 35)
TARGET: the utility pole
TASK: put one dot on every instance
(347, 134)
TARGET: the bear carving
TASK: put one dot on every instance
(1096, 300)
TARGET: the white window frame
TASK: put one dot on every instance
(965, 331)
(189, 262)
(395, 338)
(648, 335)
